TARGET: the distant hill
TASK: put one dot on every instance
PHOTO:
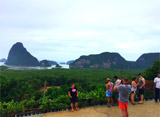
(3, 60)
(52, 62)
(147, 59)
(69, 62)
(62, 63)
(45, 63)
(19, 56)
(58, 66)
(113, 60)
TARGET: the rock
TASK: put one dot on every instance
(52, 62)
(114, 61)
(69, 62)
(3, 60)
(147, 59)
(58, 66)
(19, 56)
(44, 63)
(103, 60)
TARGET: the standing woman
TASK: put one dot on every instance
(109, 88)
(73, 94)
(133, 90)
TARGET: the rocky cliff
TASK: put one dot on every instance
(44, 63)
(19, 56)
(147, 59)
(114, 60)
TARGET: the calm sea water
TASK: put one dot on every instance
(29, 68)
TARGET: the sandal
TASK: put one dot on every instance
(140, 102)
(133, 103)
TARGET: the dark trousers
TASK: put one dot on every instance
(157, 94)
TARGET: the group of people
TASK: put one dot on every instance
(130, 88)
(121, 92)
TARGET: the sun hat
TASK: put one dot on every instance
(108, 79)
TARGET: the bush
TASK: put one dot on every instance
(152, 72)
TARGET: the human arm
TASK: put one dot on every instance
(134, 84)
(155, 81)
(69, 94)
(115, 87)
(77, 93)
(119, 82)
(107, 86)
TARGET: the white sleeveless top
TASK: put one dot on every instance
(133, 88)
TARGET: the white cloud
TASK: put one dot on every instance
(67, 29)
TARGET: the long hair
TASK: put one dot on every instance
(133, 79)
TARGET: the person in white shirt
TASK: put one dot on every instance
(157, 88)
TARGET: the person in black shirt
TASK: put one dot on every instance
(73, 94)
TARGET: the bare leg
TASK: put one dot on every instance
(72, 107)
(141, 102)
(112, 100)
(142, 98)
(132, 98)
(109, 101)
(117, 101)
(76, 105)
(124, 113)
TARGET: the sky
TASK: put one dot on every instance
(63, 30)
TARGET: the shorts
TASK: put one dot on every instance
(116, 95)
(108, 94)
(123, 106)
(133, 91)
(141, 91)
(74, 99)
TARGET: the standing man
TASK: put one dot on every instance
(124, 89)
(73, 94)
(117, 81)
(141, 88)
(157, 88)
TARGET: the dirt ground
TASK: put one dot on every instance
(148, 109)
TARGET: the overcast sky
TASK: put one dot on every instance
(63, 30)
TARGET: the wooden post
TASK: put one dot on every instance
(121, 73)
(44, 89)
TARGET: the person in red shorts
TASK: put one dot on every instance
(124, 89)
